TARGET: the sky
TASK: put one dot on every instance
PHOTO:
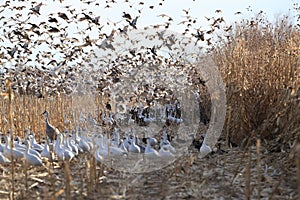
(148, 12)
(198, 9)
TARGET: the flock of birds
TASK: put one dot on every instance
(46, 60)
(65, 146)
(31, 36)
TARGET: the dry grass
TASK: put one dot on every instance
(189, 177)
(26, 112)
(260, 67)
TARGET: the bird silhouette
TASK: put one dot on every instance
(37, 8)
(133, 22)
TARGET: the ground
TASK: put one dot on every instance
(234, 173)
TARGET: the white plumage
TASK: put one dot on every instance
(32, 159)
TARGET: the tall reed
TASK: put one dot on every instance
(259, 64)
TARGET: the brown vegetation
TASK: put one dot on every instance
(260, 67)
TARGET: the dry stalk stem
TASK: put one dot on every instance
(297, 157)
(67, 180)
(258, 168)
(248, 176)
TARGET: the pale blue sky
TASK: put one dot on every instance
(198, 9)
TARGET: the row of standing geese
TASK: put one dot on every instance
(68, 145)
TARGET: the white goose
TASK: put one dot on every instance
(165, 153)
(67, 144)
(60, 150)
(149, 151)
(97, 153)
(127, 141)
(32, 159)
(165, 143)
(32, 151)
(116, 151)
(133, 147)
(122, 146)
(33, 144)
(83, 144)
(3, 159)
(18, 144)
(110, 149)
(204, 149)
(46, 152)
(8, 151)
(2, 146)
(73, 146)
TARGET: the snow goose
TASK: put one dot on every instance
(58, 150)
(165, 153)
(137, 142)
(83, 144)
(31, 151)
(133, 147)
(73, 146)
(149, 151)
(19, 145)
(127, 141)
(33, 144)
(165, 143)
(98, 155)
(110, 149)
(2, 146)
(3, 159)
(32, 159)
(8, 151)
(61, 151)
(204, 149)
(46, 152)
(122, 146)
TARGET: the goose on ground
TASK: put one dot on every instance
(8, 151)
(32, 151)
(204, 149)
(165, 143)
(46, 152)
(3, 159)
(66, 143)
(34, 145)
(60, 150)
(2, 146)
(18, 144)
(97, 153)
(127, 141)
(133, 147)
(110, 149)
(165, 153)
(32, 159)
(122, 146)
(73, 146)
(137, 142)
(149, 151)
(83, 144)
